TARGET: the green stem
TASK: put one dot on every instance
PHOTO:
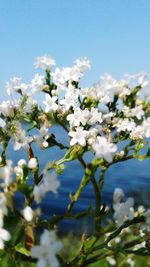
(140, 252)
(75, 197)
(3, 155)
(97, 258)
(97, 205)
(118, 231)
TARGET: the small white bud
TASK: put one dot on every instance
(21, 162)
(32, 164)
(28, 214)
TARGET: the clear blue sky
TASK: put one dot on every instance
(113, 34)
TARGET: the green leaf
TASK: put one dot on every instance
(7, 261)
(22, 250)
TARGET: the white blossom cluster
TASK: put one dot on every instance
(96, 119)
(96, 116)
(123, 210)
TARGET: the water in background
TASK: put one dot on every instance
(132, 176)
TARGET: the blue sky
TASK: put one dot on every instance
(113, 34)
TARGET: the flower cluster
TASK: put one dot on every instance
(110, 119)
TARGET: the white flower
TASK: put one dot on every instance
(103, 148)
(84, 117)
(47, 250)
(14, 85)
(91, 92)
(71, 97)
(108, 117)
(137, 112)
(7, 108)
(126, 110)
(92, 133)
(137, 133)
(39, 192)
(19, 168)
(122, 90)
(108, 82)
(4, 236)
(3, 205)
(146, 127)
(32, 164)
(95, 116)
(117, 240)
(50, 103)
(146, 226)
(125, 125)
(142, 130)
(41, 138)
(19, 137)
(82, 64)
(58, 76)
(44, 62)
(21, 163)
(37, 83)
(6, 173)
(142, 79)
(27, 213)
(78, 137)
(19, 171)
(61, 76)
(124, 211)
(111, 261)
(118, 195)
(75, 118)
(102, 93)
(49, 183)
(10, 86)
(131, 262)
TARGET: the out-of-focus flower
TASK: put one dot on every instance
(6, 173)
(44, 62)
(131, 262)
(49, 183)
(124, 211)
(47, 250)
(118, 195)
(111, 261)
